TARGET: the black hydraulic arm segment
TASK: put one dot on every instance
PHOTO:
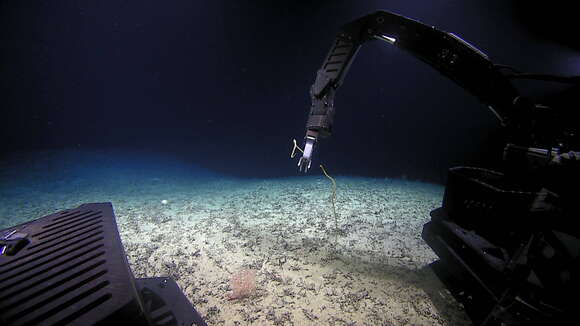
(446, 52)
(328, 78)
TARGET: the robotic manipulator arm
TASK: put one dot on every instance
(446, 52)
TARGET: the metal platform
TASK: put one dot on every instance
(73, 271)
(504, 264)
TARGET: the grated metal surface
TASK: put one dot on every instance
(73, 272)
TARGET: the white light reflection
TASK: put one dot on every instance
(386, 38)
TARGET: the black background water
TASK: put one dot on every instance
(224, 84)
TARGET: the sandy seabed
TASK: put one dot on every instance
(371, 270)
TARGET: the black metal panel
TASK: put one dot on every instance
(497, 258)
(73, 271)
(165, 303)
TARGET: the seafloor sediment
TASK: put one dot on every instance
(371, 270)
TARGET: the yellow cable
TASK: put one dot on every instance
(333, 196)
(328, 176)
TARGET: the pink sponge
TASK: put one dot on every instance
(243, 284)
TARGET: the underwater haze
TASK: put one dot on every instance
(182, 114)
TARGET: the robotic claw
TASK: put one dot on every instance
(305, 161)
(507, 243)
